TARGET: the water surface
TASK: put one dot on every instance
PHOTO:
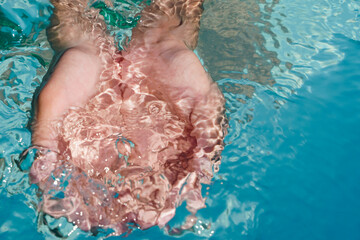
(290, 73)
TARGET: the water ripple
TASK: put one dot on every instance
(262, 54)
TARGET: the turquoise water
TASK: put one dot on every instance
(290, 73)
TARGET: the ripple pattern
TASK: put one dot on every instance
(289, 72)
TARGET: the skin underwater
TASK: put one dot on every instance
(124, 137)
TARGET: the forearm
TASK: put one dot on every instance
(179, 19)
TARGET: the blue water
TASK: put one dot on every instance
(290, 73)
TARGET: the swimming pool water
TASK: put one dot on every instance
(290, 73)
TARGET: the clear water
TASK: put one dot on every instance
(290, 72)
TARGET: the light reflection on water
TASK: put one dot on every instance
(283, 68)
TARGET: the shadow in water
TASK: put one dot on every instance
(234, 48)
